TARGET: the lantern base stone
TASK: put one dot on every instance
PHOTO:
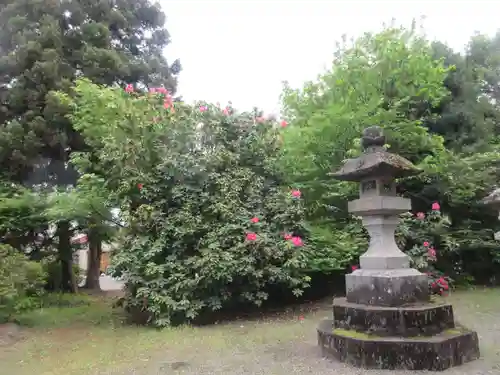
(391, 287)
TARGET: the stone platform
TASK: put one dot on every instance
(449, 348)
(408, 321)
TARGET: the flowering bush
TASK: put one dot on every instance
(208, 223)
(425, 237)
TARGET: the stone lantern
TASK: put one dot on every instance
(387, 319)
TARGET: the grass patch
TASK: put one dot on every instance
(65, 310)
(88, 338)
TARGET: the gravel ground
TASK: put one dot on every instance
(108, 283)
(288, 346)
(81, 341)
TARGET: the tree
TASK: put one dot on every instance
(468, 118)
(45, 45)
(23, 223)
(483, 53)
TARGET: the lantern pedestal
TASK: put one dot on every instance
(397, 287)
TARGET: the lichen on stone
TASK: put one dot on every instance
(354, 334)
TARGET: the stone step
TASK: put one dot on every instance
(447, 349)
(407, 321)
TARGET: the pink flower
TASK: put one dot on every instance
(420, 215)
(426, 244)
(260, 119)
(296, 193)
(354, 268)
(436, 206)
(443, 283)
(431, 252)
(284, 124)
(162, 90)
(251, 236)
(152, 90)
(297, 241)
(226, 111)
(129, 88)
(254, 219)
(287, 236)
(140, 186)
(168, 102)
(203, 108)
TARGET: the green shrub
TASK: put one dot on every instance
(209, 220)
(426, 237)
(21, 282)
(335, 248)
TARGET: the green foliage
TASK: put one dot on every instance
(54, 274)
(22, 216)
(376, 80)
(333, 249)
(467, 117)
(21, 282)
(389, 79)
(437, 247)
(189, 181)
(426, 238)
(436, 110)
(468, 121)
(47, 44)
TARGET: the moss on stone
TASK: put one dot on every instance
(367, 336)
(352, 333)
(454, 331)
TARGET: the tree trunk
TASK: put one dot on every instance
(94, 259)
(65, 253)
